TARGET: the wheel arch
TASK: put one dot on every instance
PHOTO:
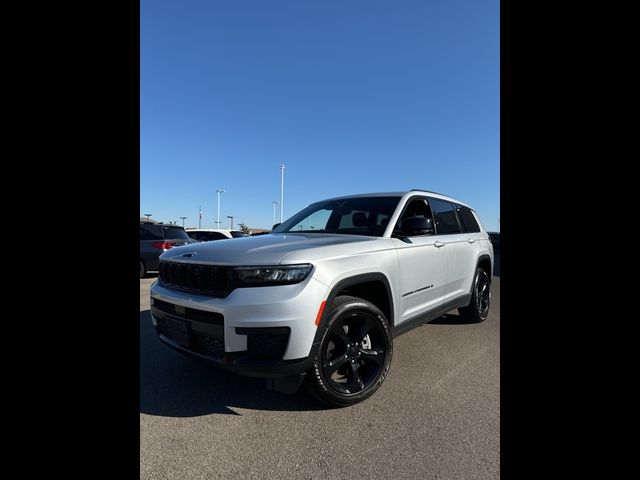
(373, 287)
(484, 262)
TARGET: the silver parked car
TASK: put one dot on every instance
(321, 298)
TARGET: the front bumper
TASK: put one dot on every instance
(260, 332)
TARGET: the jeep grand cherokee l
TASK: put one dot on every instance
(319, 300)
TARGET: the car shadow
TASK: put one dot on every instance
(449, 319)
(173, 385)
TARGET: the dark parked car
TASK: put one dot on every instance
(495, 240)
(155, 239)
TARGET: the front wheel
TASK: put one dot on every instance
(354, 355)
(478, 309)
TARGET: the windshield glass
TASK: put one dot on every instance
(350, 216)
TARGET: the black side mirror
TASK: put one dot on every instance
(417, 226)
(274, 225)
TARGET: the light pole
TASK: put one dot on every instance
(147, 215)
(183, 218)
(200, 217)
(231, 223)
(274, 212)
(219, 191)
(281, 192)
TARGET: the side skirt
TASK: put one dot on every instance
(423, 318)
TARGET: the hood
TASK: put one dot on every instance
(267, 249)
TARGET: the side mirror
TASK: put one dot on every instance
(274, 225)
(417, 226)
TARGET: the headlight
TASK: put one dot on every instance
(271, 275)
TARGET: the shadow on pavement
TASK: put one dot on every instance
(450, 319)
(173, 385)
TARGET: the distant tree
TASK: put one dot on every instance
(244, 228)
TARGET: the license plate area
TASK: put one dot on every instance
(178, 330)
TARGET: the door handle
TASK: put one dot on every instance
(439, 244)
(471, 240)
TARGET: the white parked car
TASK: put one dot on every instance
(210, 234)
(320, 299)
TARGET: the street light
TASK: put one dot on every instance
(219, 191)
(231, 224)
(274, 212)
(281, 192)
(183, 218)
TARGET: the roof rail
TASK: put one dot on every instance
(428, 191)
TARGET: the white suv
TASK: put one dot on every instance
(210, 234)
(321, 298)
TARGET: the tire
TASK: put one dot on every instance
(478, 309)
(355, 353)
(142, 269)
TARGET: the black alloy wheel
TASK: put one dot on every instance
(478, 309)
(354, 355)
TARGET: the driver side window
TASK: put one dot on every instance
(416, 208)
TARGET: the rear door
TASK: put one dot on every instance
(459, 245)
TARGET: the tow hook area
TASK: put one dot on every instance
(286, 385)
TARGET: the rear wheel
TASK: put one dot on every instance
(354, 355)
(478, 309)
(142, 269)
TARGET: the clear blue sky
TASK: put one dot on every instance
(352, 96)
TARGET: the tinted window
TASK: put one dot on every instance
(150, 232)
(416, 208)
(467, 219)
(209, 236)
(174, 232)
(236, 234)
(352, 216)
(445, 216)
(354, 219)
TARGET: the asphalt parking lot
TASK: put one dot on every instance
(436, 416)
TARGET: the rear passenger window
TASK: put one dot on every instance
(444, 216)
(467, 219)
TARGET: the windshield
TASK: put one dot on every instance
(349, 216)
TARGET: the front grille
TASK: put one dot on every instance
(206, 345)
(267, 347)
(164, 306)
(204, 279)
(202, 316)
(212, 318)
(168, 329)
